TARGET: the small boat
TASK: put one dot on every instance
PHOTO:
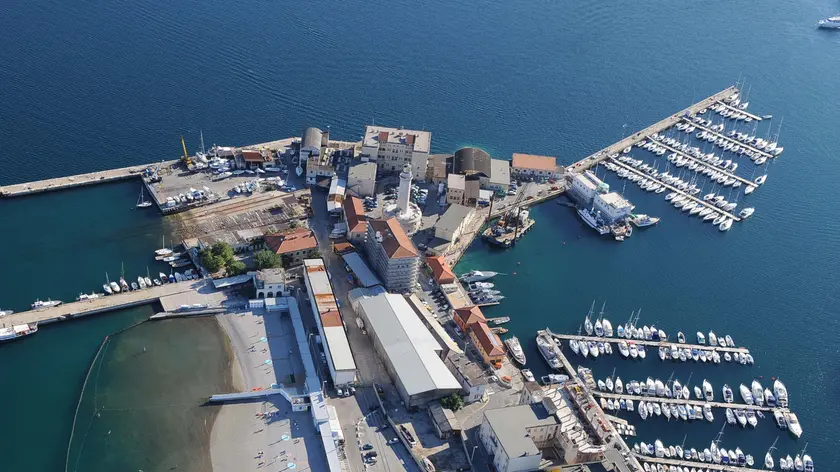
(746, 395)
(712, 338)
(680, 337)
(742, 417)
(729, 341)
(526, 373)
(87, 297)
(515, 349)
(751, 418)
(698, 393)
(141, 282)
(554, 379)
(808, 463)
(793, 425)
(157, 282)
(707, 413)
(757, 393)
(142, 202)
(708, 393)
(700, 338)
(134, 286)
(38, 304)
(730, 416)
(17, 331)
(781, 393)
(727, 394)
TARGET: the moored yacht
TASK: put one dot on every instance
(547, 349)
(832, 22)
(17, 331)
(515, 349)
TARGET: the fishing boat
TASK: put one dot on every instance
(38, 304)
(141, 201)
(515, 349)
(17, 331)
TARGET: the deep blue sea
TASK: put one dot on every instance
(100, 84)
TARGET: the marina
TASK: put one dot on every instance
(676, 401)
(700, 162)
(654, 343)
(729, 140)
(697, 464)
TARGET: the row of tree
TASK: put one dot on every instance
(221, 255)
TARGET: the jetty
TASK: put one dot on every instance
(706, 347)
(697, 464)
(675, 189)
(79, 180)
(700, 403)
(738, 110)
(730, 140)
(171, 296)
(593, 159)
(706, 164)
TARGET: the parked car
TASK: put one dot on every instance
(367, 447)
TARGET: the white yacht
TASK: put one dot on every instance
(708, 393)
(781, 393)
(757, 393)
(45, 304)
(746, 395)
(746, 212)
(793, 424)
(515, 349)
(830, 23)
(547, 349)
(478, 276)
(17, 331)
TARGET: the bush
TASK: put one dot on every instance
(211, 261)
(266, 259)
(235, 268)
(453, 402)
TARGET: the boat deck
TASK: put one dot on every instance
(593, 159)
(697, 464)
(740, 350)
(700, 403)
(689, 156)
(67, 311)
(728, 139)
(745, 112)
(675, 189)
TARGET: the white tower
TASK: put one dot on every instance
(404, 194)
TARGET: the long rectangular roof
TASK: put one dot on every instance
(417, 140)
(329, 316)
(409, 346)
(363, 273)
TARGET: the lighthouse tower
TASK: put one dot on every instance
(404, 193)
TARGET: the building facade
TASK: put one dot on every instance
(392, 255)
(270, 283)
(470, 375)
(392, 148)
(487, 343)
(584, 187)
(612, 206)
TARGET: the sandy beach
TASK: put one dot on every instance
(259, 433)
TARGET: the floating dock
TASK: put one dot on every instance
(743, 112)
(706, 347)
(675, 189)
(730, 140)
(176, 294)
(700, 403)
(697, 464)
(706, 164)
(593, 159)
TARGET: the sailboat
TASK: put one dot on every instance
(768, 458)
(142, 202)
(107, 286)
(163, 251)
(587, 324)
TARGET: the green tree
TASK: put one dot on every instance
(211, 261)
(235, 268)
(223, 250)
(453, 402)
(266, 259)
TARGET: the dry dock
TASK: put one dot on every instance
(658, 127)
(706, 347)
(700, 465)
(174, 294)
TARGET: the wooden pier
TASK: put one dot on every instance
(103, 304)
(740, 350)
(675, 189)
(593, 159)
(80, 180)
(682, 401)
(728, 139)
(706, 164)
(745, 112)
(698, 464)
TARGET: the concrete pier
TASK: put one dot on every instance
(80, 180)
(674, 189)
(591, 160)
(706, 347)
(104, 304)
(682, 401)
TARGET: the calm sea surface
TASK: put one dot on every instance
(102, 84)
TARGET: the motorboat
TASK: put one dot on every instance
(757, 393)
(609, 384)
(712, 338)
(793, 425)
(87, 297)
(141, 282)
(725, 225)
(781, 393)
(727, 394)
(751, 418)
(642, 410)
(832, 22)
(677, 389)
(478, 276)
(619, 386)
(608, 328)
(769, 398)
(584, 348)
(634, 350)
(528, 375)
(729, 341)
(554, 379)
(515, 349)
(13, 332)
(38, 304)
(730, 416)
(708, 393)
(680, 337)
(573, 344)
(808, 463)
(698, 393)
(747, 395)
(642, 351)
(548, 350)
(707, 413)
(623, 349)
(741, 416)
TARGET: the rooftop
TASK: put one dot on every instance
(472, 372)
(530, 161)
(418, 140)
(444, 418)
(489, 341)
(471, 160)
(440, 269)
(614, 200)
(362, 171)
(290, 241)
(363, 273)
(355, 215)
(456, 181)
(255, 156)
(499, 171)
(335, 199)
(510, 426)
(470, 315)
(453, 217)
(272, 276)
(394, 240)
(409, 346)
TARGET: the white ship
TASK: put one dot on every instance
(830, 23)
(45, 304)
(478, 276)
(17, 331)
(547, 348)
